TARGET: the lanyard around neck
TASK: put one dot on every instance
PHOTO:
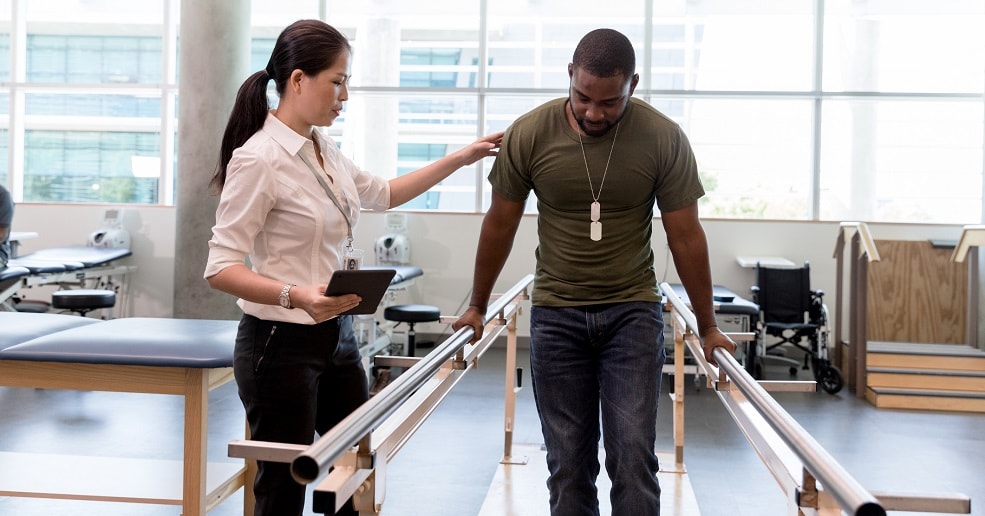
(335, 200)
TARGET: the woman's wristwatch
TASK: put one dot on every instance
(285, 296)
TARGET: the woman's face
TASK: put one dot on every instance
(324, 94)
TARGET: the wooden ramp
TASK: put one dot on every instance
(521, 489)
(945, 377)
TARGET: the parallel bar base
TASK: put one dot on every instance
(520, 490)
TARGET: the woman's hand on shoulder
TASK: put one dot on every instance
(481, 148)
(312, 299)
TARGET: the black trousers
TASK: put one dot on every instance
(295, 380)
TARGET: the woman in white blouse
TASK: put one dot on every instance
(289, 201)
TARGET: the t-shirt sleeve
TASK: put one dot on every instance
(680, 185)
(510, 173)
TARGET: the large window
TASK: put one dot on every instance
(797, 109)
(87, 101)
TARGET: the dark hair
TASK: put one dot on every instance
(307, 45)
(605, 53)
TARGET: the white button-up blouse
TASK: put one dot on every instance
(274, 212)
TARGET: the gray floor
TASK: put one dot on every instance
(447, 467)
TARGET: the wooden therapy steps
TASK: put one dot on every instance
(946, 377)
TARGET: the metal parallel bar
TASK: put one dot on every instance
(315, 461)
(391, 434)
(846, 490)
(776, 456)
(711, 372)
(850, 495)
(360, 474)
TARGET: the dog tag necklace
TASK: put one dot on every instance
(595, 230)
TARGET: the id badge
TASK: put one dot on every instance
(352, 259)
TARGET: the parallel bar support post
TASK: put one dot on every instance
(509, 416)
(679, 335)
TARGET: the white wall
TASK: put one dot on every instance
(444, 246)
(152, 235)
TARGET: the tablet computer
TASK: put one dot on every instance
(369, 284)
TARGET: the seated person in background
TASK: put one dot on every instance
(6, 218)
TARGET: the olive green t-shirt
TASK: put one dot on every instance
(651, 161)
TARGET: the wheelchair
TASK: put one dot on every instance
(792, 313)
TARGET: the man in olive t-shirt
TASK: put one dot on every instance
(598, 162)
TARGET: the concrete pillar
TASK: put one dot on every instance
(371, 121)
(213, 59)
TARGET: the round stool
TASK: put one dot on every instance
(83, 300)
(32, 306)
(411, 314)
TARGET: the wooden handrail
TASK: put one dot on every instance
(971, 236)
(867, 246)
(863, 251)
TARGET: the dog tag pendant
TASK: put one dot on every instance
(596, 232)
(596, 229)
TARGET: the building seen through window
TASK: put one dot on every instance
(796, 109)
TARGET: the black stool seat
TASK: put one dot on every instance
(412, 313)
(83, 300)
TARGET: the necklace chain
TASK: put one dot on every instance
(604, 172)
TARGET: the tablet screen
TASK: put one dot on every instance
(369, 284)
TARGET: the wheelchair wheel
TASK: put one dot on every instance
(831, 379)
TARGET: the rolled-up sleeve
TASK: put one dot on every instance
(246, 199)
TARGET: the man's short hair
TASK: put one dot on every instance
(605, 53)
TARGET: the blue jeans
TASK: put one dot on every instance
(590, 357)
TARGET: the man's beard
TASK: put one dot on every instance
(595, 133)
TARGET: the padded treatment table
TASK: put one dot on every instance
(11, 278)
(12, 273)
(184, 357)
(22, 327)
(80, 266)
(43, 266)
(86, 255)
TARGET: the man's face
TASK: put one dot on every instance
(597, 103)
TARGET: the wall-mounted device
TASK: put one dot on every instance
(394, 247)
(111, 234)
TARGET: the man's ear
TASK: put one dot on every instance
(632, 83)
